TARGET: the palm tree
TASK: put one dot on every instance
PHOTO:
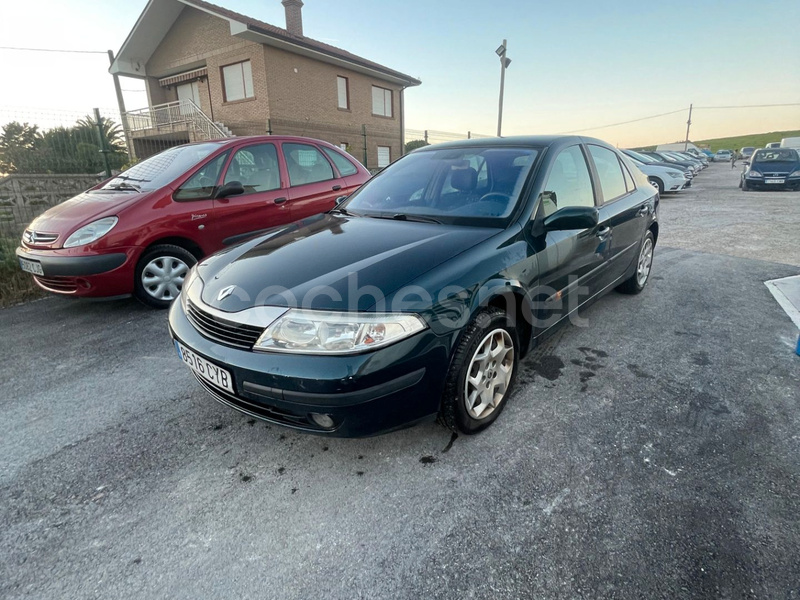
(113, 134)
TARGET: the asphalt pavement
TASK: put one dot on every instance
(652, 454)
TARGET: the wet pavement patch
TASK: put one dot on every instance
(428, 460)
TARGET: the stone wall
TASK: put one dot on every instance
(24, 197)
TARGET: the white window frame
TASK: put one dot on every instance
(343, 92)
(245, 71)
(382, 100)
(389, 154)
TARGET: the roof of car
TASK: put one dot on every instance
(519, 140)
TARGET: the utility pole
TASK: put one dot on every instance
(688, 125)
(504, 62)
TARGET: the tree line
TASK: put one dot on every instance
(25, 148)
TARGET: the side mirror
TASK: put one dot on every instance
(572, 217)
(747, 163)
(232, 188)
(341, 199)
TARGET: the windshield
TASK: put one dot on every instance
(469, 186)
(161, 169)
(775, 155)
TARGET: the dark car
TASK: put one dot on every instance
(141, 231)
(418, 295)
(772, 169)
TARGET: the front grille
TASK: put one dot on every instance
(256, 409)
(219, 330)
(38, 238)
(62, 285)
(776, 175)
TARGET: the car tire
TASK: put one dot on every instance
(491, 330)
(644, 265)
(745, 187)
(658, 184)
(159, 274)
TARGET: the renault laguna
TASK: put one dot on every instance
(417, 296)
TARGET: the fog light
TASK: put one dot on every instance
(324, 421)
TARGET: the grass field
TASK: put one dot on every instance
(757, 140)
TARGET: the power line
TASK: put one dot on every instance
(54, 50)
(674, 112)
(624, 122)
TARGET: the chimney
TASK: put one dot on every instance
(294, 16)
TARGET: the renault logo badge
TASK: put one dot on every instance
(225, 292)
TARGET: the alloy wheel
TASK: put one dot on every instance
(162, 277)
(645, 262)
(489, 374)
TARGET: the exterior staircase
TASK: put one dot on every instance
(180, 115)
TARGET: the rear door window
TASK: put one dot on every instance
(343, 164)
(306, 164)
(609, 171)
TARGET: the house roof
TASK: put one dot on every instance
(159, 15)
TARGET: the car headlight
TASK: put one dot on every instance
(795, 173)
(675, 174)
(752, 173)
(319, 332)
(188, 281)
(91, 232)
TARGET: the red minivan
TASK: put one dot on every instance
(141, 231)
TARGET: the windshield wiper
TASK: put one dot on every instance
(340, 211)
(405, 217)
(127, 178)
(124, 186)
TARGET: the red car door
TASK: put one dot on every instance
(314, 185)
(263, 205)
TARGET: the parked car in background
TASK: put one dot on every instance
(142, 230)
(773, 145)
(668, 158)
(472, 251)
(791, 142)
(689, 156)
(772, 169)
(649, 160)
(746, 152)
(708, 154)
(723, 156)
(663, 178)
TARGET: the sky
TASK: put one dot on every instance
(576, 65)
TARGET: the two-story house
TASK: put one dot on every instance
(211, 72)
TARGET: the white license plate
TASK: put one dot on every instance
(31, 266)
(774, 181)
(208, 371)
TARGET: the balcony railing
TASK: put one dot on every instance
(181, 113)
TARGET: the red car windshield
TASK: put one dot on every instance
(159, 170)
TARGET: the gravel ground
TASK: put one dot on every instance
(651, 454)
(715, 216)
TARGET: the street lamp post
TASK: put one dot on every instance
(504, 62)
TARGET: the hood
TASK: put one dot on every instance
(82, 209)
(333, 262)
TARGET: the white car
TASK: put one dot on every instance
(664, 179)
(722, 156)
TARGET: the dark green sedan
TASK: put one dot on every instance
(417, 296)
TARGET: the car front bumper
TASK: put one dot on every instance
(364, 394)
(69, 271)
(789, 183)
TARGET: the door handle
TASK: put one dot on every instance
(604, 232)
(280, 200)
(643, 211)
(336, 188)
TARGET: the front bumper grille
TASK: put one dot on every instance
(222, 331)
(38, 238)
(259, 410)
(61, 285)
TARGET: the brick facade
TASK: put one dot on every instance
(294, 94)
